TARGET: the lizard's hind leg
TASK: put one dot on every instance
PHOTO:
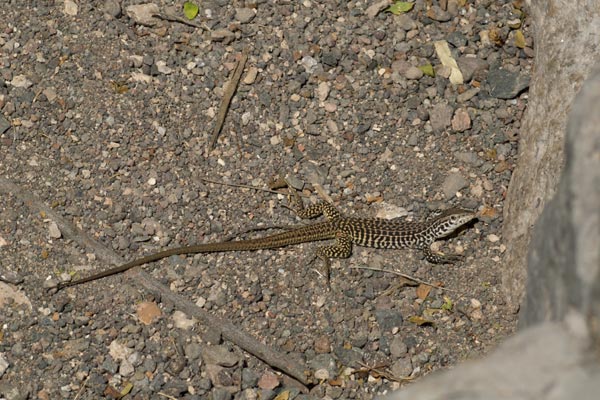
(342, 248)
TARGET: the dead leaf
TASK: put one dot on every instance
(336, 382)
(111, 392)
(491, 154)
(519, 39)
(448, 304)
(431, 312)
(489, 212)
(423, 291)
(285, 395)
(126, 389)
(443, 52)
(400, 7)
(147, 312)
(496, 37)
(373, 199)
(119, 87)
(427, 70)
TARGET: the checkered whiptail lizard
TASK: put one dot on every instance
(368, 232)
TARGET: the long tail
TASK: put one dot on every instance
(309, 233)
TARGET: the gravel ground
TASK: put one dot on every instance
(106, 118)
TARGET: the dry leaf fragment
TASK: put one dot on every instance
(111, 392)
(427, 70)
(336, 382)
(126, 389)
(423, 291)
(519, 39)
(400, 7)
(147, 312)
(285, 395)
(488, 212)
(420, 321)
(443, 52)
(448, 304)
(497, 37)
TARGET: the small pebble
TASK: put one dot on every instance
(493, 238)
(181, 320)
(251, 75)
(143, 14)
(413, 73)
(54, 231)
(452, 184)
(475, 303)
(330, 107)
(21, 81)
(322, 374)
(461, 120)
(322, 345)
(71, 8)
(323, 91)
(244, 15)
(269, 381)
(440, 117)
(437, 14)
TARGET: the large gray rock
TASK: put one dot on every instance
(564, 260)
(547, 362)
(556, 356)
(566, 36)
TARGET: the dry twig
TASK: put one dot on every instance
(412, 278)
(227, 96)
(174, 18)
(387, 375)
(241, 185)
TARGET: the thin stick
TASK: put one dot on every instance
(240, 185)
(412, 278)
(227, 96)
(167, 396)
(82, 388)
(229, 331)
(322, 193)
(387, 375)
(174, 18)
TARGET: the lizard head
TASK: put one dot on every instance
(450, 220)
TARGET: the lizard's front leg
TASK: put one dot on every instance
(313, 211)
(437, 258)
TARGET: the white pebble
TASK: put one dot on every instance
(493, 238)
(54, 231)
(323, 91)
(322, 374)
